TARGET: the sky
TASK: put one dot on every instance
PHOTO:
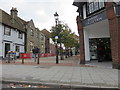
(42, 12)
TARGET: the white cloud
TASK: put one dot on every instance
(41, 11)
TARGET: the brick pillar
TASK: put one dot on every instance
(114, 27)
(81, 39)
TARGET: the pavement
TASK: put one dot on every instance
(68, 73)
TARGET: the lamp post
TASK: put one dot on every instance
(56, 37)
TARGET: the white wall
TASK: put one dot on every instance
(14, 37)
(15, 41)
(84, 12)
(99, 30)
(86, 45)
(0, 40)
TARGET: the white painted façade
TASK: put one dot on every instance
(12, 33)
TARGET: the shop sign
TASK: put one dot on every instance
(94, 19)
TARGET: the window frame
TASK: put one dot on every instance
(8, 33)
(20, 34)
(31, 46)
(42, 37)
(17, 49)
(31, 32)
(91, 6)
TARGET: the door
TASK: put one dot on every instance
(7, 48)
(104, 49)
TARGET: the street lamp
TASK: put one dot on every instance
(56, 37)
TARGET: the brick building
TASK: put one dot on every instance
(99, 28)
(47, 40)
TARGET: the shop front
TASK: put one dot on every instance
(100, 49)
(99, 32)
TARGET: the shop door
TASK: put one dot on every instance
(104, 49)
(7, 48)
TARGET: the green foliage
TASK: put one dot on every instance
(65, 36)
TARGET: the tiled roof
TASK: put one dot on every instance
(46, 32)
(15, 22)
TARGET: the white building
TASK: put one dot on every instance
(12, 33)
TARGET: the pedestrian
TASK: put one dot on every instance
(34, 50)
(71, 54)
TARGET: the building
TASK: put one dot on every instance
(35, 38)
(42, 42)
(52, 47)
(99, 28)
(12, 33)
(19, 35)
(47, 40)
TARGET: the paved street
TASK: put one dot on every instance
(61, 74)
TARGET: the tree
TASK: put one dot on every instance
(65, 36)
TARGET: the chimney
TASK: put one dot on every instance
(14, 12)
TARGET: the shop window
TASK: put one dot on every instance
(17, 48)
(7, 31)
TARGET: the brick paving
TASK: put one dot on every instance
(49, 61)
(68, 72)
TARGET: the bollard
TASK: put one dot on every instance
(22, 58)
(8, 57)
(38, 58)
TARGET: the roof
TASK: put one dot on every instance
(79, 2)
(15, 22)
(46, 32)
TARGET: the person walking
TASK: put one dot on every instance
(35, 52)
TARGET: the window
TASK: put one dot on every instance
(95, 5)
(31, 46)
(42, 37)
(101, 3)
(32, 33)
(42, 45)
(37, 35)
(7, 31)
(20, 35)
(17, 48)
(91, 7)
